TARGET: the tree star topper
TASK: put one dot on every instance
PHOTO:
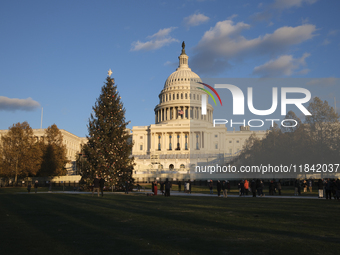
(109, 72)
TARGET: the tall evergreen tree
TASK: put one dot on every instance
(109, 146)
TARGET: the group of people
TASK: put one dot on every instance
(255, 186)
(303, 185)
(329, 187)
(29, 186)
(224, 187)
(163, 185)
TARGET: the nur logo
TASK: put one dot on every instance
(204, 101)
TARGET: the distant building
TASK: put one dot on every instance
(72, 142)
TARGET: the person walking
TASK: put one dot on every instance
(219, 187)
(304, 184)
(36, 185)
(211, 187)
(261, 188)
(155, 188)
(253, 187)
(162, 188)
(278, 187)
(338, 189)
(224, 189)
(271, 188)
(328, 188)
(96, 185)
(246, 187)
(29, 188)
(320, 188)
(179, 186)
(242, 187)
(101, 185)
(310, 185)
(167, 187)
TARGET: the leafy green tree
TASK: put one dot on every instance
(108, 150)
(54, 156)
(21, 155)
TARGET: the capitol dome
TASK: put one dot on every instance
(180, 99)
(183, 74)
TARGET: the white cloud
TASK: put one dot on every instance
(162, 33)
(224, 42)
(195, 20)
(169, 63)
(333, 32)
(232, 16)
(279, 6)
(13, 104)
(158, 40)
(284, 65)
(286, 4)
(326, 42)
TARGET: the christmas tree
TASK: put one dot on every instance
(109, 146)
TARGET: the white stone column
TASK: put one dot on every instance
(163, 147)
(152, 145)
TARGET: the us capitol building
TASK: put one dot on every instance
(181, 137)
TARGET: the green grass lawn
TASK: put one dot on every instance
(137, 224)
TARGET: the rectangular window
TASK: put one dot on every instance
(141, 147)
(216, 146)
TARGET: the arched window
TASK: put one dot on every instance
(171, 167)
(182, 166)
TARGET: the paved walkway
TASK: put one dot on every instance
(173, 193)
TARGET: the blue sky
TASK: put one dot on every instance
(56, 54)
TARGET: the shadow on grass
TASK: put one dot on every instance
(81, 224)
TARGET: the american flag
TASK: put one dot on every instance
(180, 112)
